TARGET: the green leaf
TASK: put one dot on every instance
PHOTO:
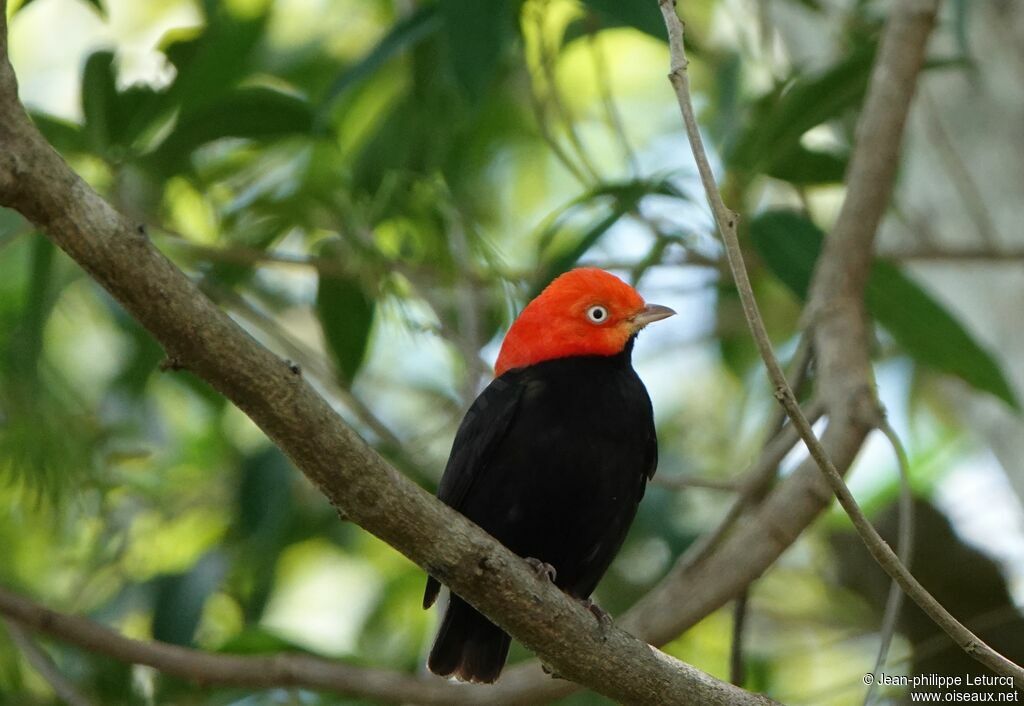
(802, 166)
(619, 199)
(565, 259)
(629, 192)
(66, 137)
(98, 5)
(45, 437)
(112, 117)
(255, 640)
(638, 14)
(180, 599)
(346, 316)
(781, 118)
(214, 61)
(476, 33)
(404, 34)
(930, 333)
(253, 113)
(789, 244)
(99, 99)
(264, 508)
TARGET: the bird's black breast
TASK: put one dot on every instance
(552, 460)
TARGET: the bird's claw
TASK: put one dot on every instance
(550, 671)
(603, 617)
(542, 568)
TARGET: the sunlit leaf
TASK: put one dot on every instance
(790, 244)
(404, 34)
(44, 438)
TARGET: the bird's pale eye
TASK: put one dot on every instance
(597, 314)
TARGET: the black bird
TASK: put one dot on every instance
(553, 457)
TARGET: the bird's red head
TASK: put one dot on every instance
(585, 311)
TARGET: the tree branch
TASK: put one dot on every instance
(892, 86)
(35, 181)
(281, 670)
(41, 662)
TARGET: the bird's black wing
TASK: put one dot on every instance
(651, 451)
(480, 433)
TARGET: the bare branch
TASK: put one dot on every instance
(274, 671)
(900, 59)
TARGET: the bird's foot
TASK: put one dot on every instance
(550, 671)
(603, 617)
(542, 568)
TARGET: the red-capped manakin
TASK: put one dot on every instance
(553, 456)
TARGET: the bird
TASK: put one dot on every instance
(553, 456)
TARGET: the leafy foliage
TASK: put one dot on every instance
(373, 189)
(790, 245)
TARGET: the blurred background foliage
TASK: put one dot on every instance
(373, 188)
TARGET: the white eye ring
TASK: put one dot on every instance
(597, 314)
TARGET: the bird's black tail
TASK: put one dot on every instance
(468, 645)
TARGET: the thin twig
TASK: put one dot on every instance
(963, 181)
(905, 549)
(44, 666)
(927, 648)
(467, 304)
(726, 220)
(754, 482)
(540, 110)
(548, 60)
(611, 110)
(309, 361)
(799, 370)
